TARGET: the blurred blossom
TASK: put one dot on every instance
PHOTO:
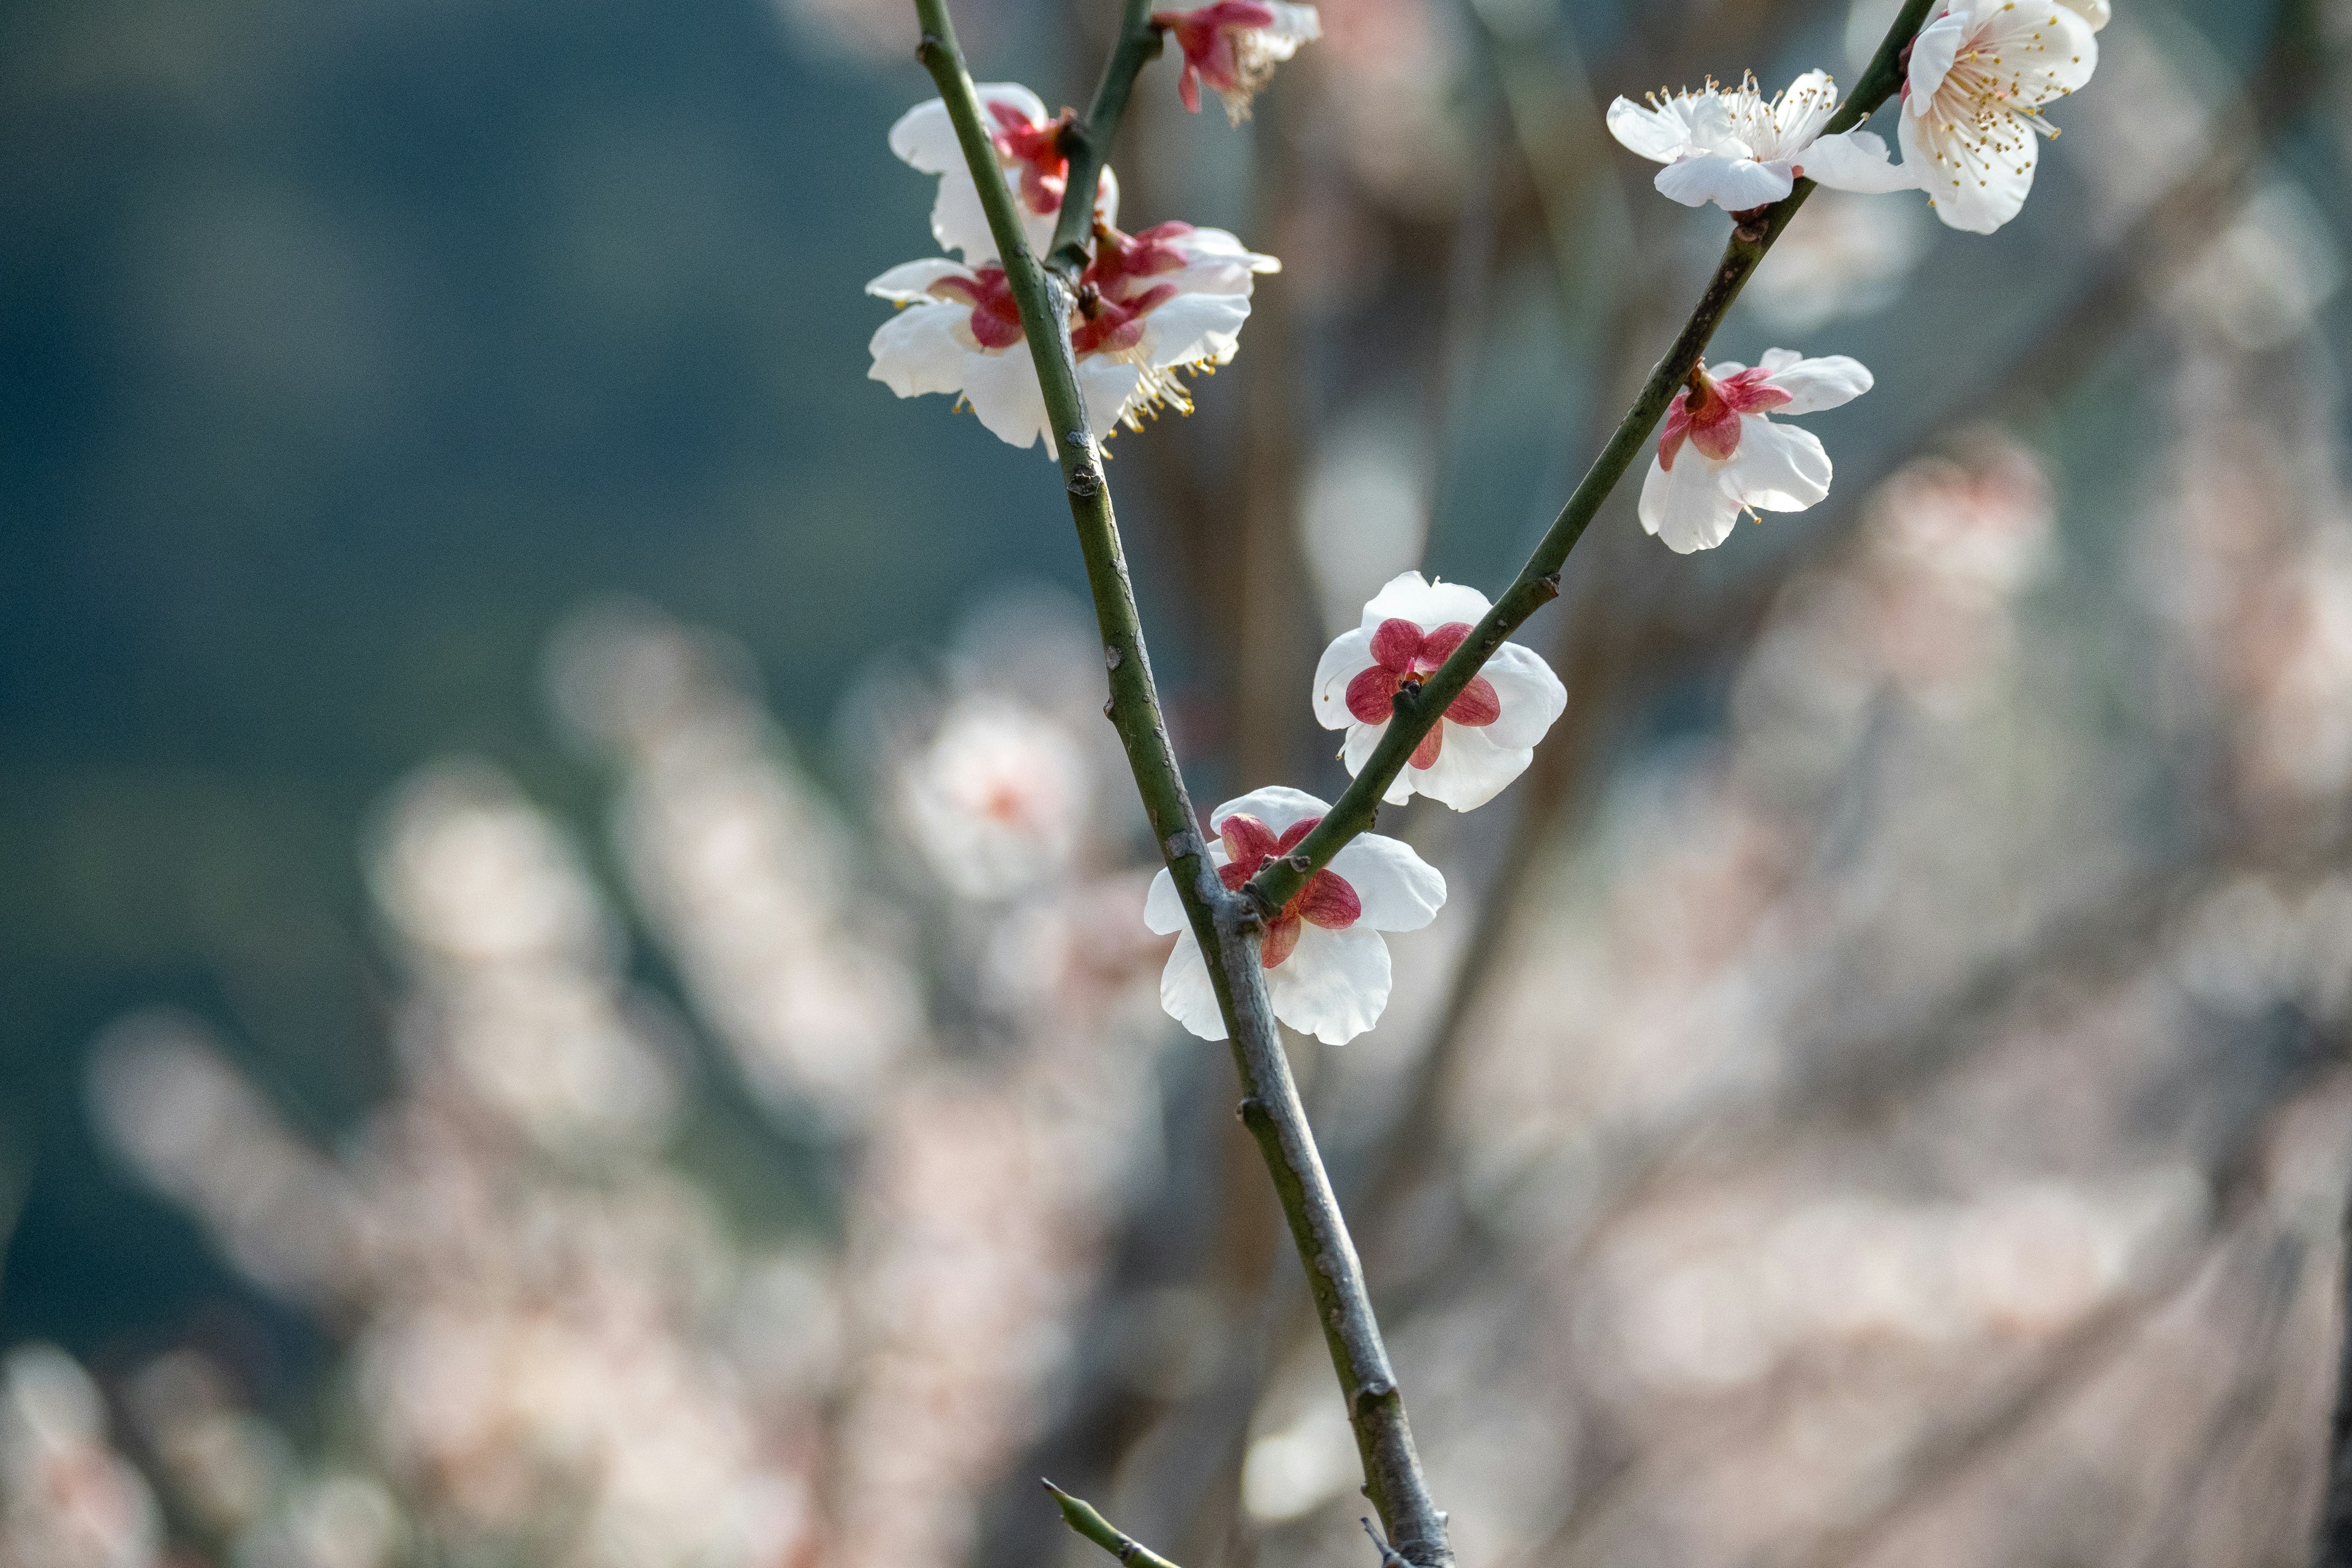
(2267, 275)
(66, 1499)
(1364, 517)
(871, 32)
(221, 1463)
(1390, 69)
(339, 1520)
(738, 866)
(1843, 255)
(997, 802)
(2145, 127)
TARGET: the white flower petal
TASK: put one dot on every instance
(1356, 750)
(918, 350)
(1661, 135)
(1192, 329)
(1933, 51)
(1408, 597)
(1778, 467)
(910, 282)
(1110, 388)
(1000, 385)
(2094, 12)
(1277, 806)
(1350, 655)
(1163, 912)
(1532, 696)
(1399, 891)
(1470, 769)
(1686, 505)
(1186, 992)
(1854, 161)
(1334, 985)
(1977, 184)
(960, 224)
(1803, 108)
(1733, 184)
(1813, 384)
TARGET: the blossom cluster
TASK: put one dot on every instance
(1977, 79)
(1147, 310)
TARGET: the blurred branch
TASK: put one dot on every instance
(1225, 924)
(1081, 1516)
(1086, 143)
(1418, 709)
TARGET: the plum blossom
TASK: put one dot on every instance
(1170, 298)
(1980, 75)
(1028, 146)
(1488, 735)
(997, 801)
(1739, 150)
(1235, 45)
(1327, 969)
(1719, 454)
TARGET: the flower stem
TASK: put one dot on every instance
(1087, 143)
(1537, 583)
(1225, 924)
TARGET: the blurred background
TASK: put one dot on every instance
(571, 988)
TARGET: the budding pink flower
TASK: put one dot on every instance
(1719, 455)
(1488, 735)
(1235, 45)
(1327, 969)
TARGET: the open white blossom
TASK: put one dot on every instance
(1488, 735)
(1028, 144)
(1739, 150)
(1326, 968)
(1170, 298)
(1720, 455)
(1981, 73)
(1235, 45)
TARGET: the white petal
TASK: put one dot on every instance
(1532, 696)
(1733, 184)
(960, 224)
(1398, 889)
(1803, 107)
(1002, 387)
(1778, 467)
(1660, 136)
(1186, 992)
(925, 137)
(1470, 770)
(1277, 806)
(1356, 750)
(1854, 161)
(1192, 328)
(1815, 384)
(1163, 912)
(1333, 985)
(1350, 655)
(1686, 506)
(1408, 597)
(1932, 54)
(2095, 12)
(1977, 182)
(1109, 388)
(918, 350)
(910, 282)
(1293, 24)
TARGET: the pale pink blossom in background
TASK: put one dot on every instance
(1235, 45)
(997, 802)
(1489, 733)
(1722, 455)
(1326, 968)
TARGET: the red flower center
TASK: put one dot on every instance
(1405, 655)
(1122, 260)
(1326, 900)
(996, 318)
(1711, 421)
(1037, 149)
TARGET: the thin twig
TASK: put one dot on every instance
(1226, 924)
(1081, 1516)
(1086, 143)
(1539, 582)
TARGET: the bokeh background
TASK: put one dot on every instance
(570, 987)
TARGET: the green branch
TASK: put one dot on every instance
(1080, 1516)
(1538, 583)
(1086, 143)
(1226, 924)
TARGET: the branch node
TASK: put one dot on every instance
(1389, 1556)
(1548, 587)
(1110, 709)
(1112, 657)
(1251, 1106)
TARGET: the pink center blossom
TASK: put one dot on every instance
(1036, 147)
(996, 318)
(1326, 900)
(1404, 656)
(1712, 423)
(1210, 39)
(1122, 260)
